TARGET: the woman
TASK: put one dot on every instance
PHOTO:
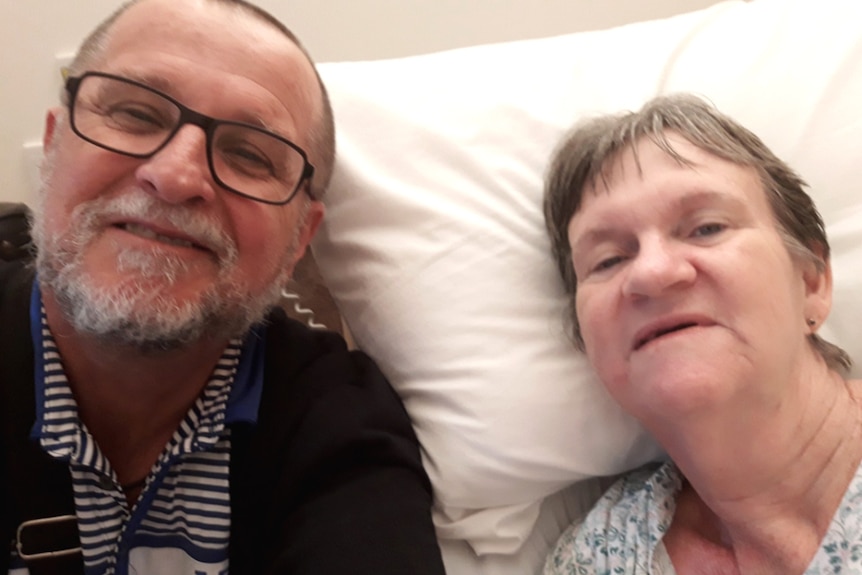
(699, 274)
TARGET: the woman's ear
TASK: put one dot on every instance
(817, 278)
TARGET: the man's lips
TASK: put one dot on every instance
(663, 327)
(166, 236)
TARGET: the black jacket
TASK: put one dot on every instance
(329, 481)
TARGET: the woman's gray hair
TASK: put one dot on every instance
(587, 154)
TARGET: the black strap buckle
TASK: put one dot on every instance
(48, 538)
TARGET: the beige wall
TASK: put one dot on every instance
(32, 32)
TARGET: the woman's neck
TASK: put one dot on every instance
(770, 478)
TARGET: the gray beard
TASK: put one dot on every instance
(140, 312)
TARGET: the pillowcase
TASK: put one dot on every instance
(434, 245)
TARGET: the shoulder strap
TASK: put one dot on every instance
(33, 486)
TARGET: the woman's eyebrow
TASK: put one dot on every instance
(592, 237)
(688, 202)
(701, 198)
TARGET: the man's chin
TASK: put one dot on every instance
(140, 316)
(152, 313)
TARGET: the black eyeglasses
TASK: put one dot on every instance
(130, 118)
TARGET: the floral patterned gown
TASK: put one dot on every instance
(622, 534)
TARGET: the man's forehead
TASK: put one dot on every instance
(241, 37)
(199, 19)
(196, 38)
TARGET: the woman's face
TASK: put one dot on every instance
(687, 297)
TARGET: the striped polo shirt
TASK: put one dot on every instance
(181, 521)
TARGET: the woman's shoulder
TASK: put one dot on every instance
(842, 544)
(623, 529)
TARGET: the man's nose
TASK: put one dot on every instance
(179, 172)
(660, 264)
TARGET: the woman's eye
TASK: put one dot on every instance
(710, 229)
(607, 263)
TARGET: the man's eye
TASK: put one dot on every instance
(249, 161)
(136, 117)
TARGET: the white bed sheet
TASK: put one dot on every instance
(557, 512)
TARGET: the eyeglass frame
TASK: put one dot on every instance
(188, 116)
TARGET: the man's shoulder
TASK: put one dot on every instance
(320, 398)
(20, 270)
(293, 348)
(283, 330)
(306, 367)
(15, 241)
(16, 279)
(332, 440)
(317, 359)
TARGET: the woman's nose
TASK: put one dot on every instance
(659, 265)
(180, 171)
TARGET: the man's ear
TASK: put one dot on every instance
(310, 223)
(313, 219)
(50, 127)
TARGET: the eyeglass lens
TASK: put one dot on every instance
(135, 120)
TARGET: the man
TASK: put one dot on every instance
(151, 421)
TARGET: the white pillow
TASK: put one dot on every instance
(434, 244)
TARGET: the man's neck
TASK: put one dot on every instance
(131, 401)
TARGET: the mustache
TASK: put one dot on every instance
(200, 228)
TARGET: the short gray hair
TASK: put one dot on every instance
(322, 137)
(586, 155)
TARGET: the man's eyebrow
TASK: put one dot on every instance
(163, 84)
(154, 81)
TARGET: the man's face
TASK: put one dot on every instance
(154, 250)
(688, 298)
